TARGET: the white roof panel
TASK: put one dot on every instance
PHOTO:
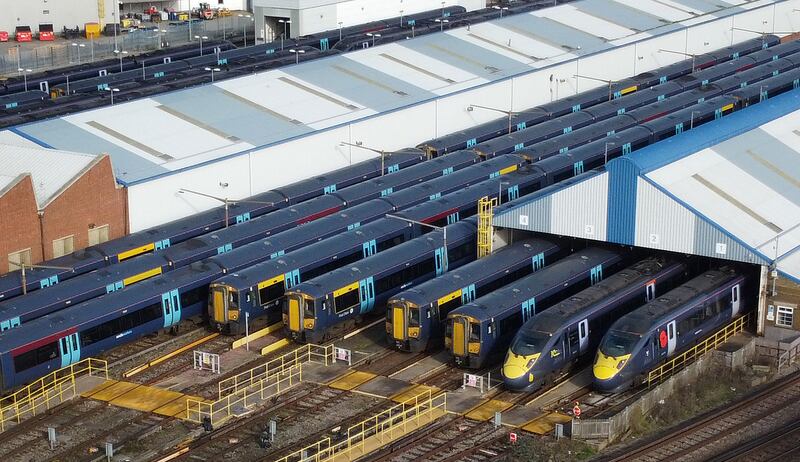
(577, 19)
(50, 170)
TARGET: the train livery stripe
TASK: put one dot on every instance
(43, 341)
(510, 169)
(727, 107)
(141, 276)
(345, 289)
(631, 89)
(137, 251)
(448, 297)
(317, 215)
(270, 282)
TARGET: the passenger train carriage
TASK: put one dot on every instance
(415, 317)
(479, 332)
(551, 342)
(639, 341)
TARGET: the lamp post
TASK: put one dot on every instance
(605, 154)
(382, 152)
(340, 31)
(443, 229)
(212, 70)
(23, 276)
(112, 90)
(441, 24)
(297, 54)
(91, 45)
(163, 42)
(120, 54)
(25, 73)
(501, 10)
(510, 114)
(201, 38)
(370, 34)
(401, 18)
(288, 21)
(690, 55)
(19, 63)
(606, 81)
(244, 27)
(224, 200)
(78, 47)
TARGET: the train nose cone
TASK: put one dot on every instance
(516, 370)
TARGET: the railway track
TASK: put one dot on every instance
(770, 407)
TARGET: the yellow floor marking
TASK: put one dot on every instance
(412, 392)
(117, 389)
(486, 410)
(275, 346)
(145, 399)
(351, 380)
(257, 335)
(545, 424)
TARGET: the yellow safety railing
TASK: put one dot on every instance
(306, 353)
(675, 364)
(485, 213)
(267, 387)
(376, 431)
(49, 391)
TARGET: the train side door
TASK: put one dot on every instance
(399, 322)
(650, 291)
(171, 307)
(734, 300)
(672, 338)
(460, 336)
(583, 336)
(440, 259)
(367, 293)
(70, 350)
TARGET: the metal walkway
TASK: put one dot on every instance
(142, 398)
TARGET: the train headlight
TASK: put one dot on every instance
(531, 362)
(621, 364)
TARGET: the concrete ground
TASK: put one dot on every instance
(40, 56)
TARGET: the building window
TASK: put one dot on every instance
(45, 11)
(98, 235)
(785, 316)
(63, 246)
(16, 259)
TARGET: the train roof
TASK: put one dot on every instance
(327, 283)
(575, 308)
(107, 306)
(496, 262)
(657, 312)
(499, 301)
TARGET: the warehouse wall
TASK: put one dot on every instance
(22, 232)
(58, 12)
(267, 167)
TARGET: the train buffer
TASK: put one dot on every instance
(141, 398)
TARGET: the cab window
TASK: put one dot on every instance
(413, 317)
(270, 293)
(308, 308)
(474, 332)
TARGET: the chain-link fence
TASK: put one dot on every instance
(66, 52)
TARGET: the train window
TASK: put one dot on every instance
(120, 324)
(346, 301)
(413, 317)
(582, 328)
(308, 309)
(36, 356)
(271, 293)
(332, 265)
(193, 296)
(573, 340)
(447, 307)
(474, 332)
(233, 300)
(671, 331)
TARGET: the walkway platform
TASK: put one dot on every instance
(322, 374)
(423, 367)
(566, 388)
(141, 398)
(414, 391)
(352, 380)
(464, 400)
(487, 410)
(546, 423)
(384, 387)
(520, 416)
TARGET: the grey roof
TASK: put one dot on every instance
(50, 170)
(183, 129)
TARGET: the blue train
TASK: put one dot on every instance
(23, 309)
(259, 289)
(415, 317)
(479, 332)
(164, 236)
(551, 342)
(646, 337)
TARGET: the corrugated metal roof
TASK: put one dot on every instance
(728, 189)
(50, 170)
(182, 129)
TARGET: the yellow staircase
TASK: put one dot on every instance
(485, 229)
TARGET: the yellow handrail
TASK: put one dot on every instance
(304, 354)
(42, 392)
(419, 410)
(244, 397)
(485, 213)
(719, 337)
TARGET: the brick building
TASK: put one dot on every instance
(55, 202)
